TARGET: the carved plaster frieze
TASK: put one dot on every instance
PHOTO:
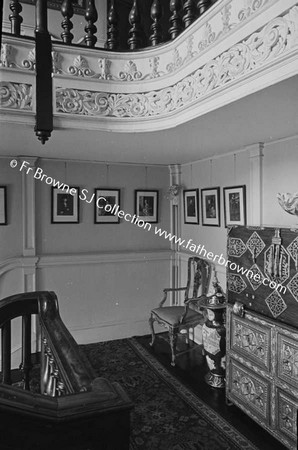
(260, 48)
(104, 65)
(226, 16)
(80, 68)
(29, 62)
(16, 96)
(154, 65)
(209, 37)
(7, 56)
(56, 62)
(252, 7)
(176, 62)
(130, 72)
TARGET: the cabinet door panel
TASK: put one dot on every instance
(287, 416)
(287, 357)
(252, 340)
(249, 391)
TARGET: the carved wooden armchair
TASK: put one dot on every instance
(182, 318)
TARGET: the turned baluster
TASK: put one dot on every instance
(54, 381)
(26, 364)
(156, 14)
(112, 41)
(6, 352)
(46, 373)
(60, 388)
(49, 386)
(15, 18)
(91, 17)
(189, 12)
(203, 5)
(175, 20)
(135, 32)
(67, 25)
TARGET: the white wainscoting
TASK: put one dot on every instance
(101, 296)
(106, 296)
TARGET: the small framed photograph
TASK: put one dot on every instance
(3, 206)
(79, 6)
(146, 205)
(191, 206)
(210, 199)
(235, 205)
(106, 205)
(65, 205)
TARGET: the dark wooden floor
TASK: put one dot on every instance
(190, 369)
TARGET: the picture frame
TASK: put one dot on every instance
(191, 206)
(235, 205)
(146, 205)
(65, 205)
(79, 6)
(103, 200)
(3, 205)
(210, 200)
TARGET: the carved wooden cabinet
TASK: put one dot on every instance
(262, 328)
(262, 372)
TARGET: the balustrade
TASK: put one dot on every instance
(99, 408)
(151, 22)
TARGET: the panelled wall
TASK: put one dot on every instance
(107, 276)
(265, 169)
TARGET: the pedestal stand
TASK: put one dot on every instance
(214, 337)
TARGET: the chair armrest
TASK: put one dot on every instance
(188, 302)
(166, 290)
(194, 299)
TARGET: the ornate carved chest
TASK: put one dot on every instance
(262, 328)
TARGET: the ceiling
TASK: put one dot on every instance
(265, 116)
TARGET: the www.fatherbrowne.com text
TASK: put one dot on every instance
(101, 203)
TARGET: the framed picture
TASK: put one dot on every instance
(106, 205)
(79, 6)
(210, 199)
(146, 205)
(3, 206)
(65, 205)
(191, 205)
(235, 205)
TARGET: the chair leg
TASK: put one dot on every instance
(173, 341)
(151, 321)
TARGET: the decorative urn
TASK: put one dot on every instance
(289, 202)
(214, 336)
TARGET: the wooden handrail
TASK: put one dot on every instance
(96, 406)
(76, 372)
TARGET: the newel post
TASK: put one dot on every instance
(43, 57)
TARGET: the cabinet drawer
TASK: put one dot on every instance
(287, 358)
(287, 416)
(251, 338)
(249, 391)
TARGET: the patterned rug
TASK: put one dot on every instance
(166, 414)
